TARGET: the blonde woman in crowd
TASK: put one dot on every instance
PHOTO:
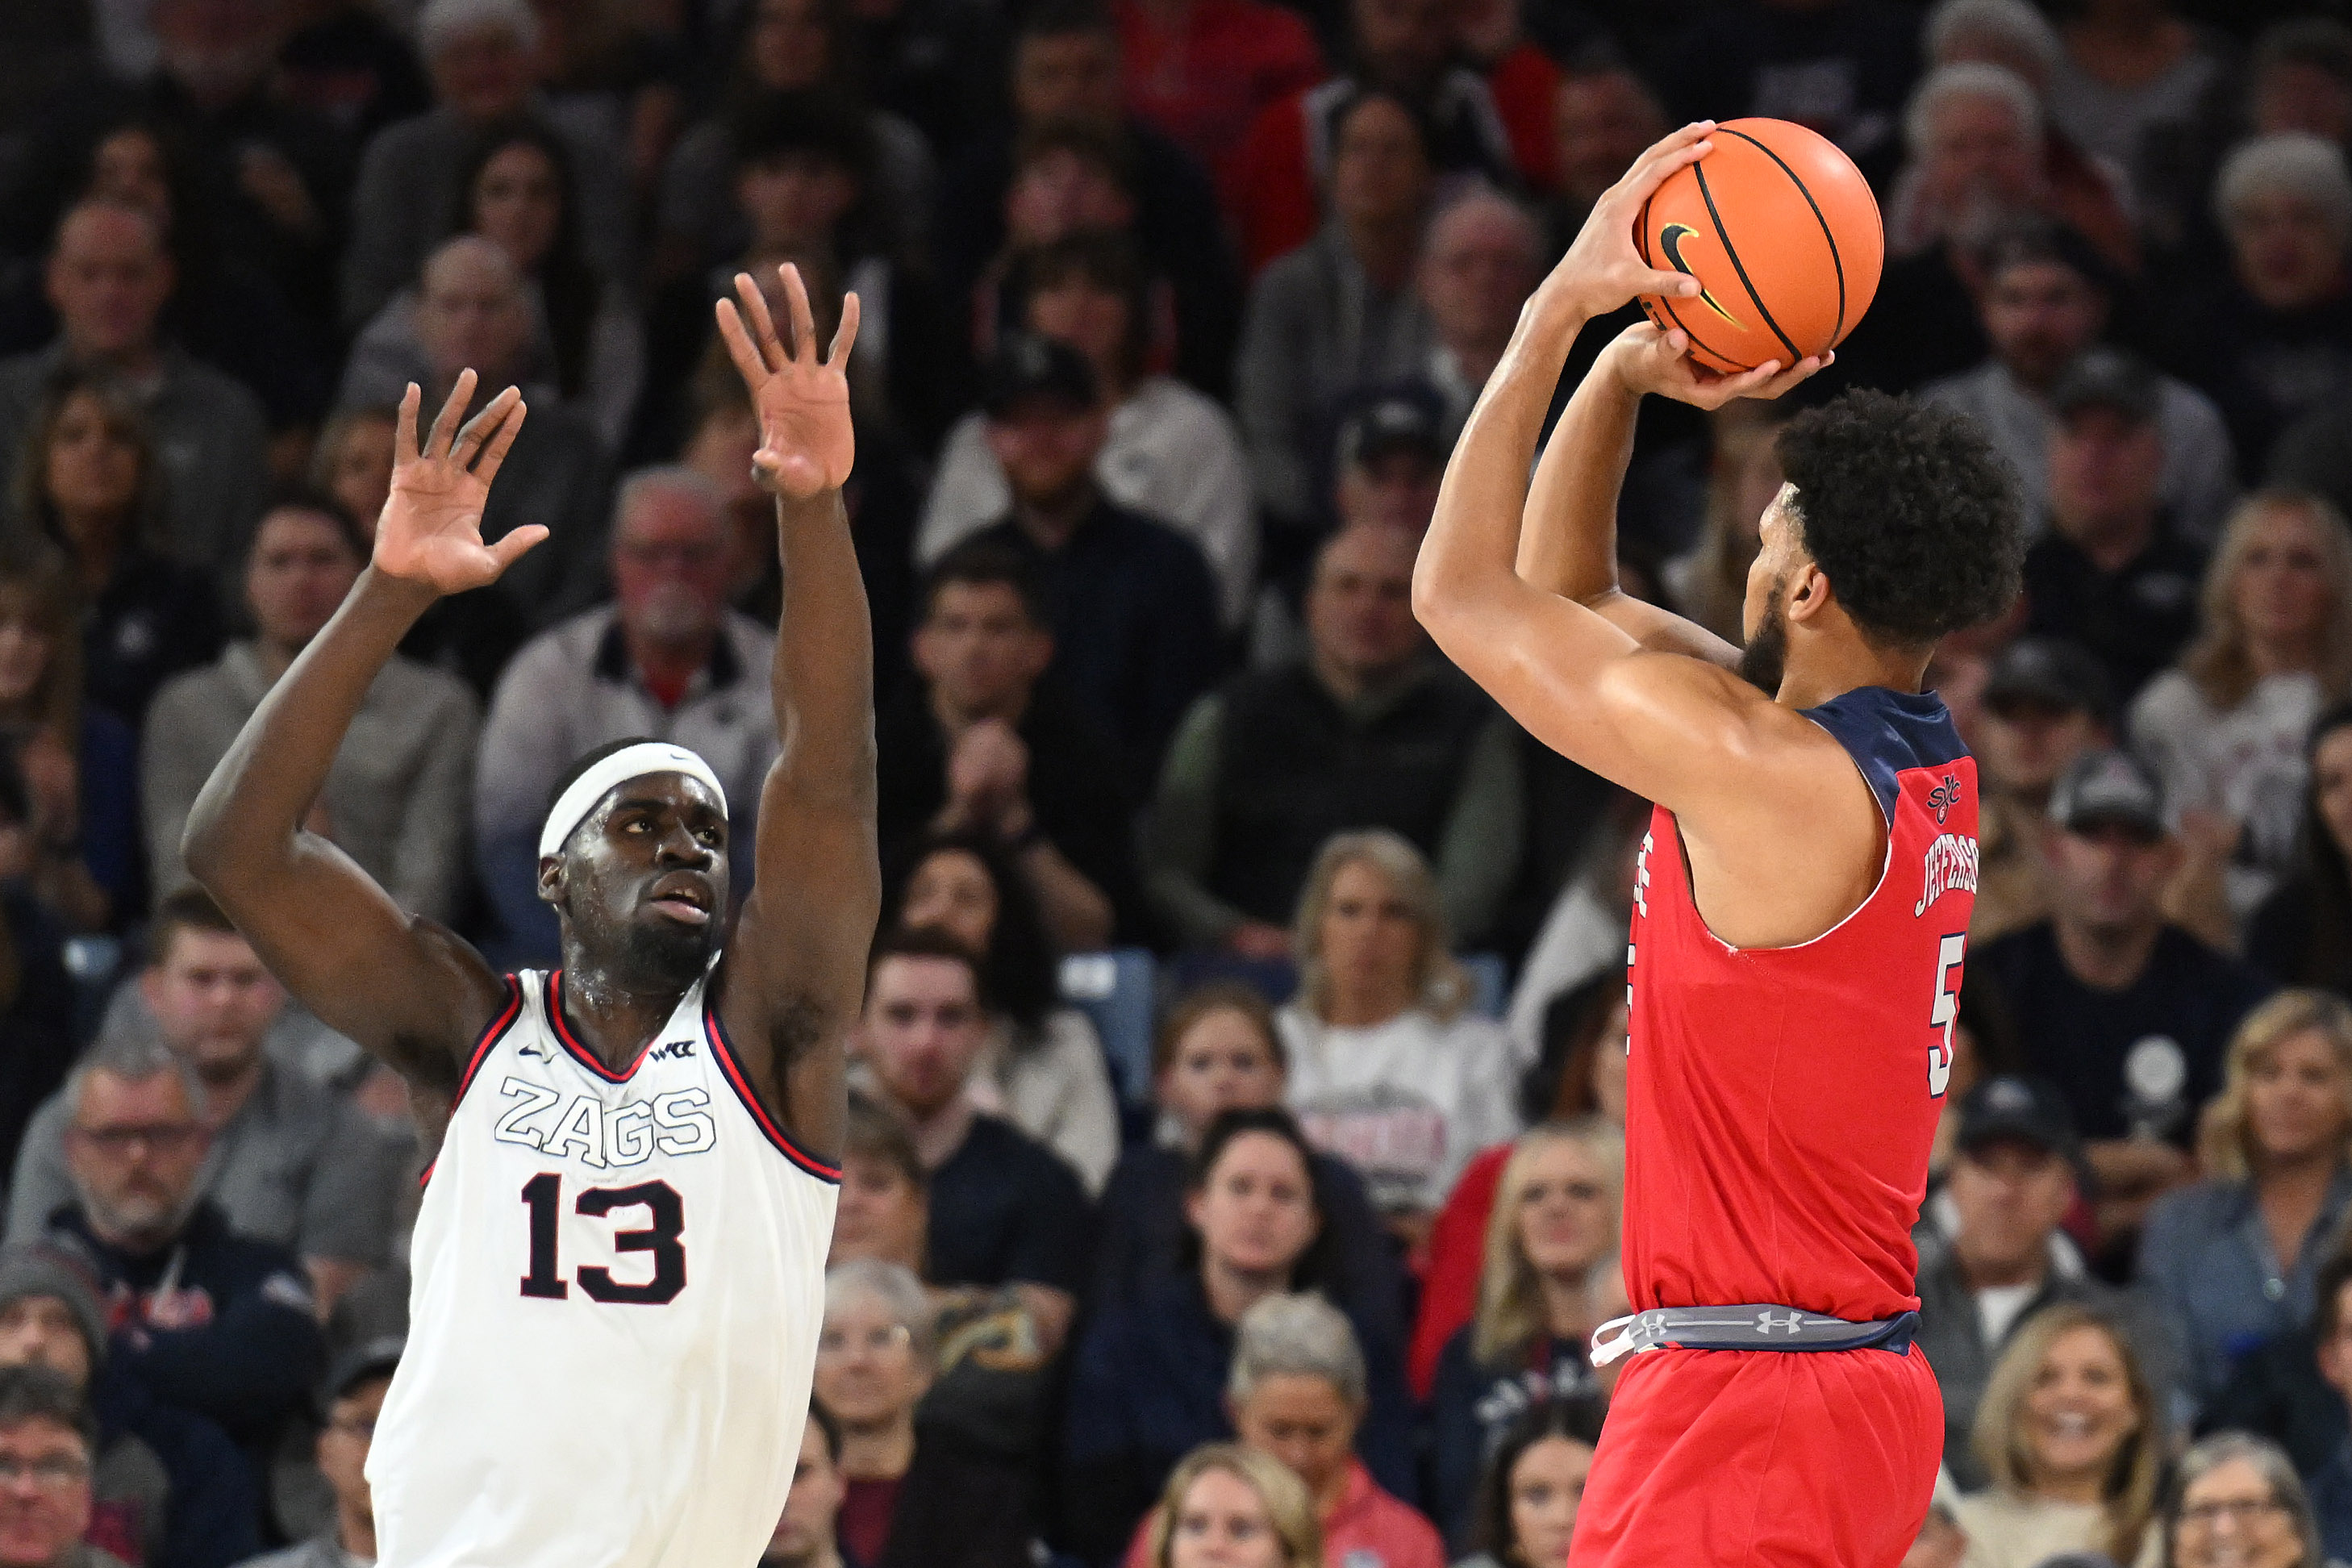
(2070, 1432)
(2237, 1503)
(2225, 730)
(1230, 1507)
(2232, 1259)
(1554, 1222)
(1387, 1070)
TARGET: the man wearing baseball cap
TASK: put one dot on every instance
(1387, 460)
(2112, 571)
(352, 1397)
(2045, 702)
(2128, 1016)
(2013, 1178)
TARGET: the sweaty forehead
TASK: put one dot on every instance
(678, 791)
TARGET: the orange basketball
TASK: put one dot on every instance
(1783, 233)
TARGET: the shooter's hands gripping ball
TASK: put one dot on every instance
(1602, 269)
(430, 532)
(806, 445)
(1647, 360)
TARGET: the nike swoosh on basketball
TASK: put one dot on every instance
(1670, 242)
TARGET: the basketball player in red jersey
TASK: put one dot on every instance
(1800, 912)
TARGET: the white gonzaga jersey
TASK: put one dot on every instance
(619, 1280)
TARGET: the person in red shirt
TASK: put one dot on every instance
(1800, 907)
(1202, 70)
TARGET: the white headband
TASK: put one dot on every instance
(580, 798)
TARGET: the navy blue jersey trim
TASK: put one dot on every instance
(492, 1034)
(551, 995)
(732, 1071)
(1888, 733)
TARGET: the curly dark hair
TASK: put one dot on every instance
(1910, 511)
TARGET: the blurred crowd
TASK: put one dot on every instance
(1233, 1174)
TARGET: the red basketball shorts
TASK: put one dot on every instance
(1763, 1459)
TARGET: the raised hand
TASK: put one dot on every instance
(806, 445)
(431, 528)
(1648, 360)
(1602, 269)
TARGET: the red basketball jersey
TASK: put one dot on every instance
(1781, 1101)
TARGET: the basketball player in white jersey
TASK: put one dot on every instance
(619, 1262)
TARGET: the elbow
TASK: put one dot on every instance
(1431, 600)
(201, 847)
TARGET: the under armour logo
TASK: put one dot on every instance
(1766, 1322)
(1945, 796)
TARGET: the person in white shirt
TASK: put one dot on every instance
(1386, 1071)
(1173, 453)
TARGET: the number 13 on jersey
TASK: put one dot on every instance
(1945, 1013)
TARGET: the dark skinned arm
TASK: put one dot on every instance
(404, 987)
(796, 967)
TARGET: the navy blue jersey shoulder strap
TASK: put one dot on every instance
(1887, 733)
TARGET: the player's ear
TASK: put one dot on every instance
(551, 880)
(1808, 593)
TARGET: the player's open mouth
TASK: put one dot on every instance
(682, 899)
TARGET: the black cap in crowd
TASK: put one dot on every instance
(2017, 1110)
(1027, 366)
(2104, 377)
(1404, 419)
(371, 1358)
(2108, 788)
(2064, 675)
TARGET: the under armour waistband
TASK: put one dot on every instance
(1758, 1327)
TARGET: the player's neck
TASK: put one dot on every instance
(614, 1019)
(1839, 659)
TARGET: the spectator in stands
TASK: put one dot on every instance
(909, 1498)
(1148, 1382)
(1481, 258)
(2303, 935)
(806, 1533)
(108, 278)
(1339, 311)
(1387, 464)
(982, 744)
(1576, 945)
(1385, 1069)
(2236, 1499)
(287, 1161)
(516, 189)
(2071, 1435)
(1297, 1391)
(168, 1490)
(1554, 1222)
(1218, 1051)
(211, 1320)
(2273, 342)
(355, 1388)
(483, 56)
(351, 67)
(473, 313)
(1531, 1485)
(2232, 1259)
(1042, 1069)
(1293, 156)
(1202, 71)
(1133, 607)
(1227, 1506)
(2225, 732)
(1604, 115)
(78, 762)
(666, 659)
(1066, 94)
(1172, 452)
(1708, 582)
(2331, 1340)
(1842, 67)
(1979, 153)
(788, 46)
(395, 799)
(1523, 76)
(37, 1000)
(2011, 1182)
(88, 482)
(2113, 570)
(470, 635)
(2130, 66)
(1004, 1208)
(2128, 1016)
(45, 1442)
(2044, 703)
(1370, 729)
(2047, 296)
(2286, 1388)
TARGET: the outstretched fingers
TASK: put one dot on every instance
(763, 323)
(844, 337)
(403, 435)
(796, 300)
(502, 440)
(444, 433)
(477, 429)
(509, 550)
(740, 346)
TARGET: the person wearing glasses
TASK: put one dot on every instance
(353, 1392)
(910, 1498)
(45, 1503)
(213, 1321)
(2237, 1503)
